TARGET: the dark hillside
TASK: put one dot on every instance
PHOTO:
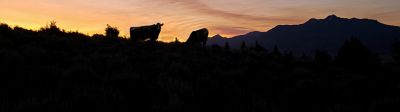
(58, 71)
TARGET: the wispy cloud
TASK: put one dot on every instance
(201, 7)
(220, 21)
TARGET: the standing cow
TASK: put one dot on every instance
(150, 32)
(198, 37)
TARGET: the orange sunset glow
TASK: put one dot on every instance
(228, 18)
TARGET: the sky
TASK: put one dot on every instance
(181, 17)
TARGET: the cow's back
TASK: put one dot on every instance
(198, 37)
(145, 32)
(204, 34)
(137, 33)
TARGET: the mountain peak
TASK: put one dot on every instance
(329, 18)
(311, 21)
(333, 17)
(217, 36)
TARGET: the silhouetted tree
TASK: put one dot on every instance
(322, 57)
(243, 45)
(355, 55)
(288, 56)
(396, 51)
(258, 47)
(112, 31)
(227, 47)
(176, 43)
(304, 56)
(177, 40)
(276, 51)
(52, 28)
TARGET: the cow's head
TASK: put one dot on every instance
(159, 25)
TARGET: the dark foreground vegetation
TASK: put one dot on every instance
(57, 71)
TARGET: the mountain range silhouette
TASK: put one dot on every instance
(319, 34)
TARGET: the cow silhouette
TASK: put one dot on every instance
(143, 33)
(198, 37)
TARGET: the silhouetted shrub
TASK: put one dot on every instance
(112, 31)
(4, 28)
(5, 31)
(21, 30)
(98, 36)
(52, 28)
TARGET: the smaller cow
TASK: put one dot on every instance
(143, 33)
(198, 37)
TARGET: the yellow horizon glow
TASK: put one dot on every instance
(181, 17)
